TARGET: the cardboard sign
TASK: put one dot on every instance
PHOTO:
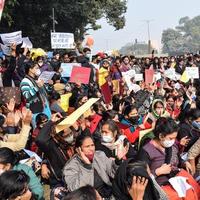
(64, 101)
(10, 38)
(138, 77)
(27, 43)
(1, 7)
(71, 119)
(149, 76)
(46, 76)
(127, 76)
(80, 75)
(105, 90)
(192, 72)
(67, 68)
(62, 40)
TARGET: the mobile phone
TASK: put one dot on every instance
(149, 120)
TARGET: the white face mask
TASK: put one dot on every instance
(69, 139)
(38, 72)
(2, 171)
(107, 138)
(168, 143)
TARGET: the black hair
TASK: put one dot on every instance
(109, 115)
(55, 96)
(124, 177)
(86, 49)
(29, 65)
(84, 193)
(80, 139)
(2, 120)
(194, 114)
(39, 58)
(7, 156)
(41, 118)
(13, 183)
(128, 109)
(165, 126)
(112, 127)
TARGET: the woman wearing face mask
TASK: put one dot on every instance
(131, 121)
(14, 186)
(90, 167)
(190, 128)
(162, 155)
(9, 161)
(57, 149)
(34, 92)
(112, 141)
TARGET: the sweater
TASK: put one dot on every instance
(78, 174)
(17, 142)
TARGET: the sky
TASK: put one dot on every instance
(163, 13)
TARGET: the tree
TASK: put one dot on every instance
(34, 18)
(184, 38)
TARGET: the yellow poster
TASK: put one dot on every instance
(65, 101)
(71, 119)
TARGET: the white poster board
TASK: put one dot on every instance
(27, 43)
(67, 68)
(192, 72)
(62, 40)
(9, 38)
(46, 76)
(139, 77)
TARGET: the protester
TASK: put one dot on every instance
(34, 92)
(91, 167)
(14, 185)
(9, 161)
(81, 145)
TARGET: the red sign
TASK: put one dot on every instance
(149, 76)
(105, 90)
(80, 75)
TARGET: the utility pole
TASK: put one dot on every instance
(149, 37)
(53, 16)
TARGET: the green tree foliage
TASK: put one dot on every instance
(34, 18)
(184, 38)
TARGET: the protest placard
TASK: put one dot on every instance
(67, 68)
(46, 76)
(106, 92)
(149, 76)
(11, 38)
(71, 119)
(128, 75)
(80, 75)
(62, 40)
(27, 43)
(138, 77)
(192, 72)
(64, 101)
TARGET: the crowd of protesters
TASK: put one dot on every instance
(135, 147)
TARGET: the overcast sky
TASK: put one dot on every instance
(164, 14)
